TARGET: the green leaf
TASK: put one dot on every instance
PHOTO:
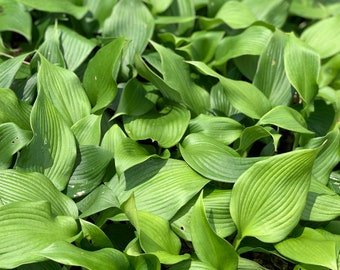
(14, 110)
(12, 139)
(252, 134)
(323, 36)
(158, 6)
(166, 126)
(99, 78)
(14, 17)
(268, 199)
(216, 204)
(270, 76)
(53, 140)
(106, 258)
(213, 159)
(223, 129)
(94, 235)
(89, 170)
(28, 228)
(9, 69)
(154, 233)
(176, 75)
(302, 67)
(209, 247)
(87, 130)
(76, 48)
(64, 90)
(241, 94)
(61, 6)
(112, 138)
(160, 187)
(16, 186)
(315, 247)
(236, 14)
(234, 46)
(287, 118)
(129, 153)
(132, 20)
(145, 261)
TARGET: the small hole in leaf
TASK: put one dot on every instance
(182, 228)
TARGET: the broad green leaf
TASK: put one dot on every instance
(29, 227)
(136, 99)
(184, 9)
(274, 12)
(216, 204)
(129, 153)
(328, 157)
(334, 181)
(159, 6)
(98, 200)
(14, 17)
(160, 187)
(321, 205)
(245, 264)
(192, 265)
(99, 10)
(87, 130)
(12, 139)
(16, 186)
(312, 247)
(61, 6)
(242, 95)
(176, 75)
(64, 90)
(323, 36)
(220, 103)
(213, 159)
(53, 140)
(99, 78)
(89, 170)
(223, 129)
(94, 235)
(14, 110)
(312, 9)
(270, 75)
(130, 19)
(9, 69)
(76, 48)
(45, 265)
(166, 126)
(329, 71)
(68, 254)
(302, 67)
(154, 234)
(252, 134)
(112, 138)
(236, 14)
(234, 46)
(268, 199)
(287, 118)
(208, 246)
(145, 261)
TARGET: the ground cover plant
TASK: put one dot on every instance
(198, 134)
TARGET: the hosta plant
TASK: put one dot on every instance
(197, 134)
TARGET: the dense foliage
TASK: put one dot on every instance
(169, 134)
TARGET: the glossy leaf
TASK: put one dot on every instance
(12, 139)
(159, 6)
(166, 126)
(323, 36)
(99, 78)
(213, 159)
(287, 118)
(94, 235)
(112, 138)
(240, 93)
(132, 20)
(302, 68)
(30, 227)
(251, 135)
(209, 247)
(62, 6)
(263, 196)
(9, 69)
(223, 129)
(16, 186)
(106, 258)
(14, 110)
(270, 76)
(14, 17)
(315, 247)
(53, 140)
(64, 90)
(160, 186)
(89, 170)
(87, 130)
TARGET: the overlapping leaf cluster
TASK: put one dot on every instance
(169, 134)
